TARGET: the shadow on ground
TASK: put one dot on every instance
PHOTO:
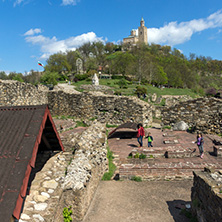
(124, 135)
(179, 209)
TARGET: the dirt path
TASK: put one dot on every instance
(126, 201)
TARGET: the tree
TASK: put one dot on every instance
(160, 77)
(71, 57)
(33, 77)
(50, 78)
(58, 63)
(3, 75)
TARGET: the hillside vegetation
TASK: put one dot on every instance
(149, 65)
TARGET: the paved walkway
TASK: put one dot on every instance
(127, 201)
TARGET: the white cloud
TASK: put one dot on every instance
(69, 2)
(33, 32)
(174, 33)
(17, 2)
(49, 46)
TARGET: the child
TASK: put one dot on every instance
(150, 140)
(200, 142)
(140, 134)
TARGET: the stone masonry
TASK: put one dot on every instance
(207, 196)
(204, 114)
(68, 179)
(14, 93)
(105, 108)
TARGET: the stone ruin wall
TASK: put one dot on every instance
(69, 180)
(203, 114)
(206, 196)
(14, 93)
(111, 109)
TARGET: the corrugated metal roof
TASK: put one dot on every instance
(21, 129)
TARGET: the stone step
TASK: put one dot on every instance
(167, 152)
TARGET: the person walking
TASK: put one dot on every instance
(140, 134)
(200, 142)
(150, 140)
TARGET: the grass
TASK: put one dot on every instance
(136, 178)
(132, 87)
(111, 126)
(108, 175)
(80, 124)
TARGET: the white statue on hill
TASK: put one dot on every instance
(95, 80)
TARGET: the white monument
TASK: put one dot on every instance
(95, 80)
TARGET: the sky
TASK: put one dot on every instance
(32, 30)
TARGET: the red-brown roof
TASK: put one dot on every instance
(21, 130)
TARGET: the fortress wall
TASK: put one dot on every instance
(14, 93)
(204, 114)
(105, 108)
(206, 196)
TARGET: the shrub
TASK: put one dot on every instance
(108, 175)
(81, 77)
(117, 77)
(141, 90)
(137, 155)
(137, 179)
(67, 212)
(123, 84)
(118, 93)
(50, 78)
(142, 156)
(211, 92)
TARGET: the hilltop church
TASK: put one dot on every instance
(141, 37)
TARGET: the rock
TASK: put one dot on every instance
(154, 97)
(51, 191)
(39, 217)
(40, 198)
(180, 126)
(50, 184)
(40, 207)
(45, 194)
(25, 217)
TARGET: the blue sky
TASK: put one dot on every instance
(32, 30)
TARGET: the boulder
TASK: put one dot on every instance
(180, 126)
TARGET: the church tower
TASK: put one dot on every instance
(142, 32)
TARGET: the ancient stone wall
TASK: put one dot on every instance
(207, 196)
(68, 180)
(14, 93)
(105, 108)
(203, 114)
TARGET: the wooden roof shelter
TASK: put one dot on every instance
(24, 130)
(129, 125)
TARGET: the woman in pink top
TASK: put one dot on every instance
(140, 134)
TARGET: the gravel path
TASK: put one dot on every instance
(126, 201)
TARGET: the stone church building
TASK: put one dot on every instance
(141, 37)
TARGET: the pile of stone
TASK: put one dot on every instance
(101, 88)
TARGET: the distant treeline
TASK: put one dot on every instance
(149, 64)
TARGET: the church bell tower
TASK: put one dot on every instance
(142, 32)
